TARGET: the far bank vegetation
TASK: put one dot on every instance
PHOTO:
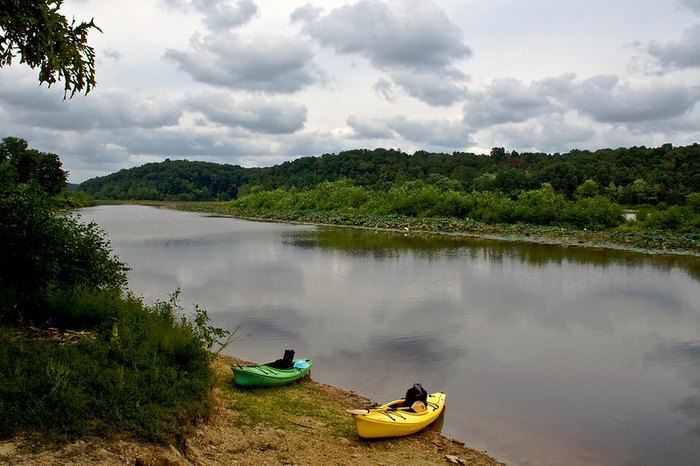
(638, 189)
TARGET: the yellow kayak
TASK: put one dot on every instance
(393, 420)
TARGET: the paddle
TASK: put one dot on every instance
(418, 407)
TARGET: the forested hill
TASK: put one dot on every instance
(630, 175)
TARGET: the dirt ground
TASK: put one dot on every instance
(222, 441)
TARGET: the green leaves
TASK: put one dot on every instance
(43, 38)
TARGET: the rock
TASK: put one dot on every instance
(453, 459)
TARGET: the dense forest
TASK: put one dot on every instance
(627, 176)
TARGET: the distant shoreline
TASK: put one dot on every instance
(643, 243)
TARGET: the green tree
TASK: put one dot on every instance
(20, 164)
(587, 189)
(540, 207)
(692, 200)
(644, 192)
(43, 38)
(40, 250)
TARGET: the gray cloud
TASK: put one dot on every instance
(684, 53)
(373, 129)
(604, 99)
(429, 134)
(264, 63)
(384, 88)
(412, 33)
(692, 4)
(414, 40)
(112, 54)
(505, 101)
(220, 15)
(432, 88)
(440, 133)
(550, 133)
(608, 99)
(258, 116)
(108, 109)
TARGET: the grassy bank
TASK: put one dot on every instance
(113, 365)
(623, 237)
(303, 423)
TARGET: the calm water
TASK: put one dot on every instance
(549, 355)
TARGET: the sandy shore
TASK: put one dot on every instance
(226, 438)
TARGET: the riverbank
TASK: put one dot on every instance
(627, 239)
(304, 423)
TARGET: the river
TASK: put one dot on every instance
(549, 355)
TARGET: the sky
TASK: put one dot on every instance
(259, 82)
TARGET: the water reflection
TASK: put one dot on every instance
(385, 244)
(684, 357)
(549, 355)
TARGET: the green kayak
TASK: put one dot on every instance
(266, 375)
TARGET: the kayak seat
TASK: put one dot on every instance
(419, 407)
(414, 394)
(287, 361)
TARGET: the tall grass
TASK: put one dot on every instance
(134, 368)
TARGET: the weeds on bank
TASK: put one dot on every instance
(135, 369)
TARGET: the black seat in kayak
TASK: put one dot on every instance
(415, 393)
(287, 361)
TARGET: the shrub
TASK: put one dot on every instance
(540, 207)
(596, 212)
(41, 250)
(143, 370)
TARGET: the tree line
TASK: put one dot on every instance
(627, 176)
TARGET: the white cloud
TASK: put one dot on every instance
(258, 82)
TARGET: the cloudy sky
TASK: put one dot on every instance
(258, 82)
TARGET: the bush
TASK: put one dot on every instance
(142, 370)
(41, 250)
(675, 218)
(596, 212)
(539, 207)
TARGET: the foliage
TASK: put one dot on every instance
(539, 207)
(21, 165)
(675, 218)
(41, 250)
(171, 180)
(66, 200)
(140, 369)
(417, 199)
(625, 176)
(132, 368)
(43, 38)
(595, 213)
